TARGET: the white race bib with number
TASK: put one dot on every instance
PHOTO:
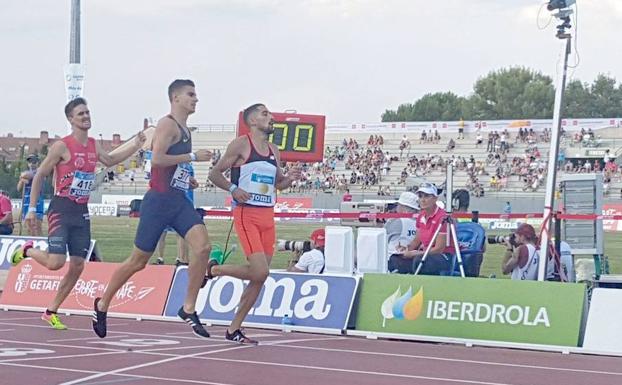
(82, 184)
(181, 177)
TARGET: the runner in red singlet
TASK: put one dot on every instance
(73, 160)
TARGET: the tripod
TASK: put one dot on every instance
(451, 232)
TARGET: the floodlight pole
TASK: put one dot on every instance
(74, 34)
(549, 198)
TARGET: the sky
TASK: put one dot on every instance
(347, 59)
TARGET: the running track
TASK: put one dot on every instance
(158, 353)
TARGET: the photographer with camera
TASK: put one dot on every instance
(309, 255)
(521, 255)
(400, 232)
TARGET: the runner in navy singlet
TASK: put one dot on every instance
(165, 204)
(73, 160)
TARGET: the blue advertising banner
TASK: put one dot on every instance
(309, 300)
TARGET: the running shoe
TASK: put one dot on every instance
(159, 261)
(192, 319)
(20, 253)
(99, 320)
(239, 337)
(53, 320)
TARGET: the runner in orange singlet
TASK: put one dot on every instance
(255, 177)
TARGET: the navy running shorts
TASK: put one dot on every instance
(69, 227)
(159, 210)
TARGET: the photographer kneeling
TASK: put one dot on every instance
(428, 221)
(311, 261)
(521, 255)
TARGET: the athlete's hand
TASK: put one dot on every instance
(203, 155)
(31, 221)
(140, 139)
(240, 195)
(193, 183)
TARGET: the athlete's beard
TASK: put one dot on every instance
(270, 129)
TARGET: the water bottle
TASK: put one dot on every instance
(217, 254)
(287, 321)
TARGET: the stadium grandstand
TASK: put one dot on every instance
(504, 163)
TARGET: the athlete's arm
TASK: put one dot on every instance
(165, 135)
(24, 178)
(58, 152)
(109, 160)
(283, 181)
(232, 155)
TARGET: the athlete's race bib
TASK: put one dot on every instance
(261, 189)
(82, 184)
(181, 177)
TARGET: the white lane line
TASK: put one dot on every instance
(6, 330)
(57, 357)
(158, 335)
(61, 345)
(159, 362)
(19, 318)
(174, 380)
(87, 338)
(458, 360)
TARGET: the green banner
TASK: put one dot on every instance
(547, 313)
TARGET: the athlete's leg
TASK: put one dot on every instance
(135, 263)
(76, 266)
(45, 259)
(183, 250)
(161, 246)
(258, 272)
(199, 243)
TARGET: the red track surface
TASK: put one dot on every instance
(154, 353)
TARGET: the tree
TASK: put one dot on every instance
(607, 99)
(577, 100)
(514, 93)
(431, 107)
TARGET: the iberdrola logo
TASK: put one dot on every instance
(405, 307)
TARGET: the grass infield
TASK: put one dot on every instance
(115, 236)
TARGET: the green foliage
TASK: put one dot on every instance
(514, 93)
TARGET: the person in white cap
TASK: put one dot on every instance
(428, 221)
(400, 232)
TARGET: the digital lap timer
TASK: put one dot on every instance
(299, 137)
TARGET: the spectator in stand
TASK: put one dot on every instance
(479, 139)
(451, 145)
(508, 208)
(489, 146)
(404, 144)
(6, 214)
(347, 197)
(461, 129)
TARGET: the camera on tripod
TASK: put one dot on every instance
(494, 239)
(300, 246)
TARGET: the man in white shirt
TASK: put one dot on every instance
(313, 260)
(400, 232)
